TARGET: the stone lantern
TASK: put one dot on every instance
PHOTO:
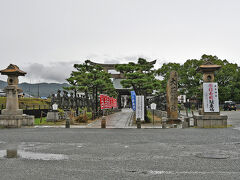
(12, 116)
(210, 116)
(208, 69)
(12, 90)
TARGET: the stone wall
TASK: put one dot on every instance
(211, 121)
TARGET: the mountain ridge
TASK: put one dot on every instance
(39, 89)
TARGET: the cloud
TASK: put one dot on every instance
(59, 71)
(123, 59)
(53, 72)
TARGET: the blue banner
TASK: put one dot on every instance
(133, 97)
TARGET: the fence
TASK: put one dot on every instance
(35, 110)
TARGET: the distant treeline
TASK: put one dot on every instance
(228, 78)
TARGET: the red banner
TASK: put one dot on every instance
(107, 102)
(102, 101)
(115, 103)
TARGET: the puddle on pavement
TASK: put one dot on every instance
(36, 156)
(188, 172)
(237, 128)
(160, 172)
(3, 153)
(213, 155)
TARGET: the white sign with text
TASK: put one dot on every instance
(55, 107)
(140, 107)
(210, 97)
(153, 106)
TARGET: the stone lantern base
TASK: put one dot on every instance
(210, 121)
(10, 112)
(16, 121)
(52, 116)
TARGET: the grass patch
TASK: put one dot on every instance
(37, 121)
(157, 120)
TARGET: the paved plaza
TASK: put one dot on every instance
(93, 153)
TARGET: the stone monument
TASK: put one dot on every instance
(12, 116)
(172, 99)
(53, 116)
(210, 116)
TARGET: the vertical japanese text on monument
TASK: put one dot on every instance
(140, 107)
(210, 97)
(173, 91)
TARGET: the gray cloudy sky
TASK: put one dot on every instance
(46, 37)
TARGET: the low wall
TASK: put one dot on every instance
(34, 112)
(159, 113)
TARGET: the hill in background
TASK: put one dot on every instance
(43, 89)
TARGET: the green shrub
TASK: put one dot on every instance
(89, 115)
(193, 107)
(179, 106)
(149, 115)
(60, 112)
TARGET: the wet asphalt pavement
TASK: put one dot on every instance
(58, 153)
(234, 117)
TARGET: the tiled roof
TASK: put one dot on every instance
(117, 84)
(13, 70)
(208, 67)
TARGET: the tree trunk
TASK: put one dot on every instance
(87, 101)
(76, 104)
(147, 120)
(93, 104)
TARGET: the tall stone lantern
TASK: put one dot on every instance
(210, 116)
(208, 69)
(12, 90)
(12, 116)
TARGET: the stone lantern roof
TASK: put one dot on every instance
(208, 66)
(13, 70)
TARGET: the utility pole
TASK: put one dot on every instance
(29, 88)
(38, 90)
